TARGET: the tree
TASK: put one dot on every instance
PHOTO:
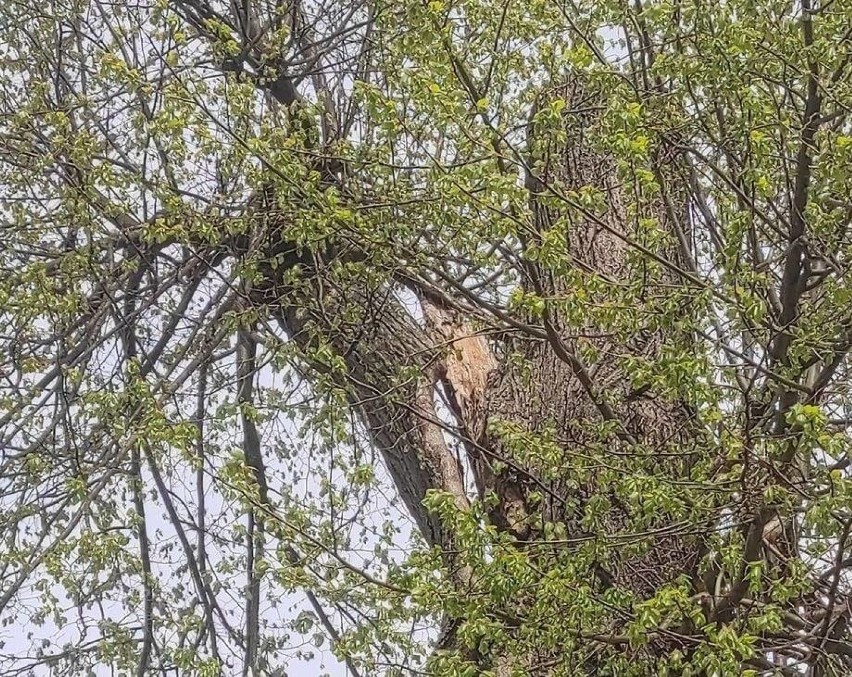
(566, 284)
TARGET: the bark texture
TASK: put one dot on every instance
(393, 363)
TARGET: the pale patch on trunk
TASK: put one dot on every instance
(468, 363)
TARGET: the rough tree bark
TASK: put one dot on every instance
(394, 363)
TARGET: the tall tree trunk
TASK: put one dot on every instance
(552, 391)
(390, 365)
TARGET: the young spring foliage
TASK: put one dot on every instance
(448, 338)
